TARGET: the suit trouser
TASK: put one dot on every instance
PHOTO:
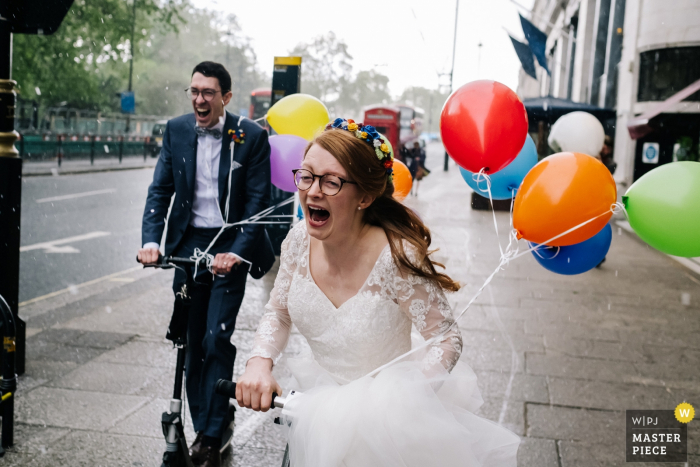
(212, 319)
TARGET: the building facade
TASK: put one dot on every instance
(626, 55)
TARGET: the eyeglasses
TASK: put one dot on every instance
(330, 184)
(207, 94)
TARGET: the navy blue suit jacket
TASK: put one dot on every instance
(250, 188)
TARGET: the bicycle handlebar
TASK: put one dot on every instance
(228, 389)
(165, 262)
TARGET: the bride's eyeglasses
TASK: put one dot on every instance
(330, 184)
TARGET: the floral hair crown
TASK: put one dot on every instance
(369, 134)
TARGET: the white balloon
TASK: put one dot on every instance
(577, 132)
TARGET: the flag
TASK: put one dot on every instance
(537, 40)
(525, 56)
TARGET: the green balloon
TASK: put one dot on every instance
(663, 207)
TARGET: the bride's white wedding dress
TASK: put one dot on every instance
(417, 412)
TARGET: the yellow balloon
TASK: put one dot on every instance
(298, 114)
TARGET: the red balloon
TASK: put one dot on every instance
(483, 126)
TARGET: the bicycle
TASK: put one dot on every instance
(177, 453)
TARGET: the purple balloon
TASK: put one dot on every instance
(286, 154)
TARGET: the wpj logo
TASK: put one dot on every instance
(655, 436)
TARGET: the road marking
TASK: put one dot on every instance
(76, 195)
(52, 246)
(73, 288)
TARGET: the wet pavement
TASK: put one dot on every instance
(558, 358)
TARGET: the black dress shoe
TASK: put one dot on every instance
(211, 457)
(196, 450)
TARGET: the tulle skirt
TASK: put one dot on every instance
(400, 417)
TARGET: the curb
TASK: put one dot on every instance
(78, 172)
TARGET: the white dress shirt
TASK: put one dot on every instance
(205, 205)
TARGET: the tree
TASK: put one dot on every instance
(165, 67)
(82, 64)
(326, 67)
(430, 100)
(368, 87)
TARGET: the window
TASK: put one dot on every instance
(664, 72)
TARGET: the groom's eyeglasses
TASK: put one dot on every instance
(330, 184)
(207, 94)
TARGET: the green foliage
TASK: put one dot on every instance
(85, 62)
(164, 65)
(326, 71)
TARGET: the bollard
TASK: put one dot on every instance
(21, 146)
(145, 148)
(121, 148)
(92, 151)
(8, 384)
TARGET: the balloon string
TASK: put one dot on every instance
(260, 119)
(254, 219)
(510, 254)
(478, 177)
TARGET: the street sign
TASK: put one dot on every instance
(128, 102)
(286, 77)
(650, 153)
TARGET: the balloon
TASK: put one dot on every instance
(505, 181)
(663, 208)
(576, 259)
(402, 180)
(286, 154)
(577, 132)
(300, 213)
(298, 114)
(483, 126)
(561, 192)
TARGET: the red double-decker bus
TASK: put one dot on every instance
(259, 103)
(400, 123)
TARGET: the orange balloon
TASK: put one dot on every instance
(402, 180)
(561, 192)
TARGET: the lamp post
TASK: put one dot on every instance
(452, 70)
(25, 17)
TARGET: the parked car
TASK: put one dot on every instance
(156, 142)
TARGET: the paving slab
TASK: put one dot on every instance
(84, 410)
(538, 452)
(576, 424)
(111, 378)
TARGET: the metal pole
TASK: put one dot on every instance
(131, 68)
(10, 192)
(452, 70)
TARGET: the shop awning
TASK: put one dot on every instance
(639, 126)
(550, 109)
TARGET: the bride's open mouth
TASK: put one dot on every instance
(318, 216)
(202, 113)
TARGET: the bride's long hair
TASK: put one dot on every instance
(398, 222)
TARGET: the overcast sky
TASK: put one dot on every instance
(410, 41)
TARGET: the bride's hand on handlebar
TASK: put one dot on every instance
(254, 389)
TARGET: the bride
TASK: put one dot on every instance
(354, 278)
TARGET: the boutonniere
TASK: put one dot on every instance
(238, 136)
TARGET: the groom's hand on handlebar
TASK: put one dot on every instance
(254, 389)
(148, 255)
(223, 262)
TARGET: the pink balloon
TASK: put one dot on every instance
(286, 154)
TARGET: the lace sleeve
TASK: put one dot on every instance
(425, 303)
(273, 331)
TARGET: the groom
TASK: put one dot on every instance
(218, 167)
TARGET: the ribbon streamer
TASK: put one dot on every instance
(511, 252)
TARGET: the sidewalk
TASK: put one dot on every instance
(78, 166)
(558, 358)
